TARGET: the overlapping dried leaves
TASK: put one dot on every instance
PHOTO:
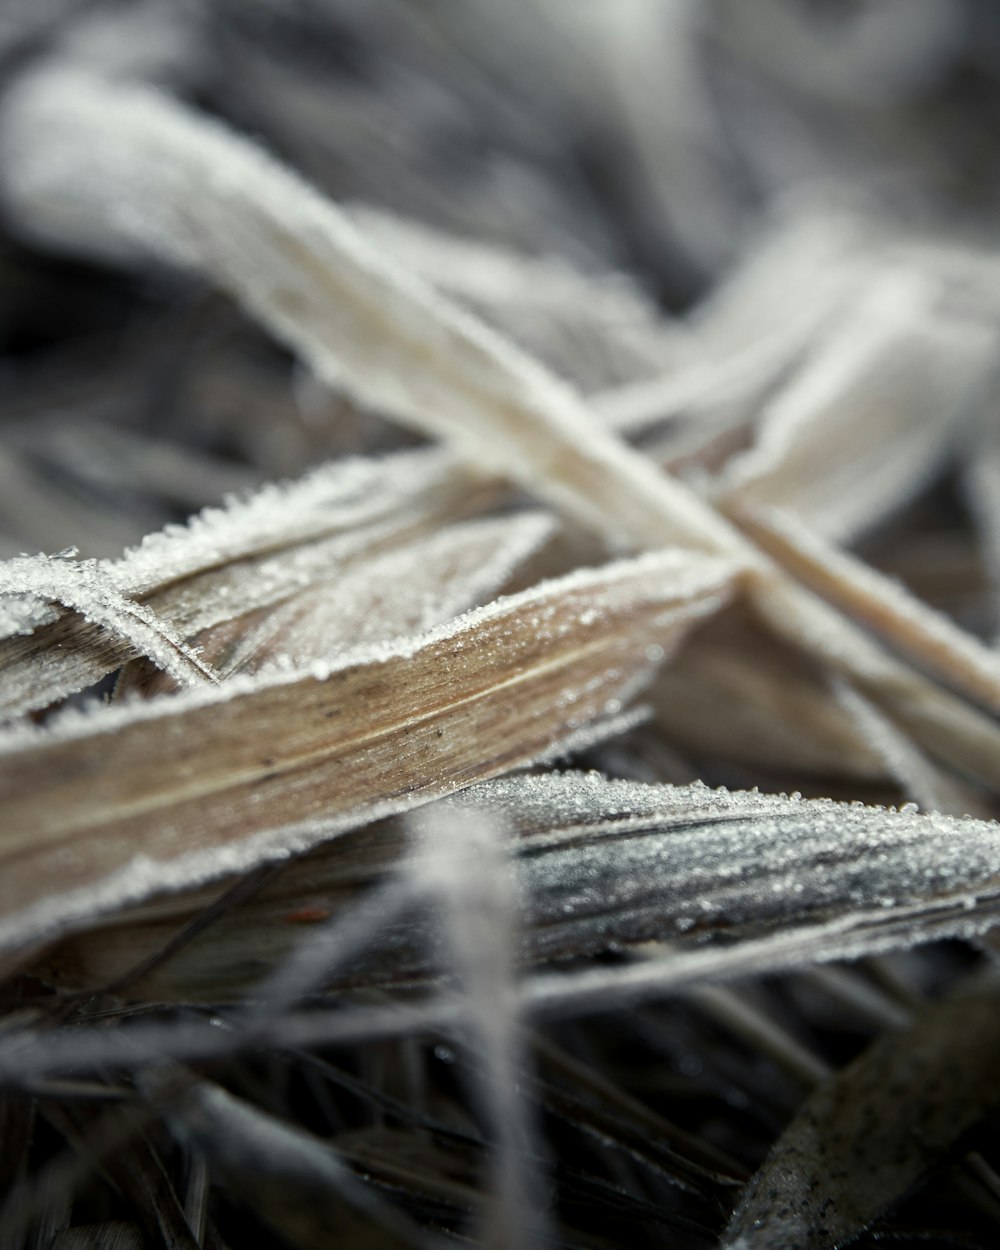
(292, 759)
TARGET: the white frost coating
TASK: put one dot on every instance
(597, 330)
(733, 860)
(400, 593)
(680, 581)
(343, 495)
(84, 587)
(23, 614)
(865, 422)
(610, 861)
(887, 607)
(123, 167)
(916, 774)
(248, 554)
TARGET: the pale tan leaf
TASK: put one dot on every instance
(946, 726)
(919, 778)
(738, 692)
(83, 587)
(909, 626)
(125, 800)
(597, 330)
(400, 593)
(123, 168)
(403, 591)
(743, 341)
(249, 555)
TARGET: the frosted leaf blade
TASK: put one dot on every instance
(86, 589)
(603, 863)
(871, 416)
(916, 630)
(245, 556)
(402, 592)
(336, 744)
(158, 178)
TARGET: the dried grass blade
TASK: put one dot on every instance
(245, 556)
(866, 1136)
(601, 863)
(981, 480)
(739, 693)
(210, 782)
(295, 1181)
(87, 164)
(400, 593)
(29, 581)
(909, 626)
(598, 330)
(920, 779)
(460, 863)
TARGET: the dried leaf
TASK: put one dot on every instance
(30, 583)
(920, 779)
(597, 330)
(928, 637)
(160, 179)
(739, 693)
(401, 593)
(600, 864)
(247, 556)
(189, 780)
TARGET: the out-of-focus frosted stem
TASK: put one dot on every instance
(123, 170)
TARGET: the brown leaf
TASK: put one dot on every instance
(201, 782)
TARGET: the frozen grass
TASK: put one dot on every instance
(359, 877)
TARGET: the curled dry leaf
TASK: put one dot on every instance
(188, 779)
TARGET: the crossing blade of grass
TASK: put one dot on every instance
(228, 562)
(124, 801)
